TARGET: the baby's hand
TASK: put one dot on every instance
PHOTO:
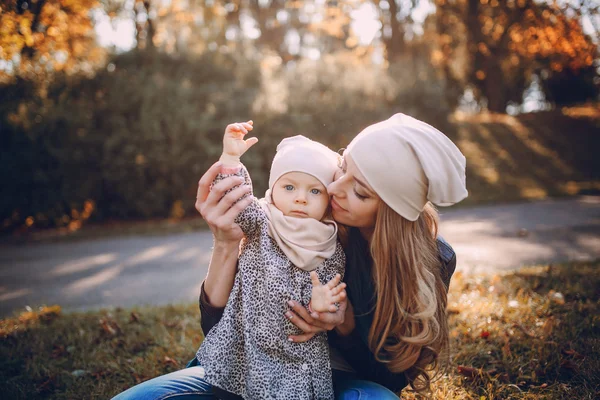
(325, 296)
(234, 144)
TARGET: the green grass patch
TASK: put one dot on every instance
(48, 354)
(530, 334)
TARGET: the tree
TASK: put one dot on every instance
(506, 43)
(42, 36)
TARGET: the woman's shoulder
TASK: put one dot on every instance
(446, 251)
(448, 258)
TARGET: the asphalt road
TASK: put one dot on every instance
(156, 270)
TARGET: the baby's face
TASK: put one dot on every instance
(300, 195)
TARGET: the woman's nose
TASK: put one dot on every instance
(333, 189)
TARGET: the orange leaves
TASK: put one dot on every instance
(134, 317)
(109, 326)
(11, 326)
(169, 361)
(49, 30)
(468, 372)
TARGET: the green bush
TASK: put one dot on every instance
(135, 137)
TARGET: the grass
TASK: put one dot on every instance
(530, 334)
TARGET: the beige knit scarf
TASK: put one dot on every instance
(307, 242)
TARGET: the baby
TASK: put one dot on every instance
(290, 247)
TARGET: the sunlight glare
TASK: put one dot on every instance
(120, 33)
(365, 23)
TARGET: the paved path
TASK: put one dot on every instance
(168, 269)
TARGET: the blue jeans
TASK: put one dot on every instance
(185, 384)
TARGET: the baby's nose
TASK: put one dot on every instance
(301, 199)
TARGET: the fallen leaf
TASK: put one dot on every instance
(58, 351)
(138, 378)
(569, 364)
(99, 374)
(110, 326)
(557, 297)
(46, 386)
(468, 372)
(524, 330)
(171, 324)
(485, 334)
(169, 361)
(134, 317)
(506, 348)
(49, 313)
(548, 326)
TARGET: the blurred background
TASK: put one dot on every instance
(112, 110)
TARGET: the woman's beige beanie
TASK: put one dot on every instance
(408, 163)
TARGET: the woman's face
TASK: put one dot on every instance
(353, 201)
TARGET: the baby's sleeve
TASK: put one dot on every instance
(336, 264)
(253, 215)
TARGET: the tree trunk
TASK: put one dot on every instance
(395, 44)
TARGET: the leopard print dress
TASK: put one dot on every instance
(247, 352)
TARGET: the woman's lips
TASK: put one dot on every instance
(336, 206)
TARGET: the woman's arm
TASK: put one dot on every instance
(219, 212)
(221, 273)
(219, 205)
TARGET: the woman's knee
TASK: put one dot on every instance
(363, 390)
(183, 384)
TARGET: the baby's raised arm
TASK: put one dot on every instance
(234, 146)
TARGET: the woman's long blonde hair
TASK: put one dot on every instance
(410, 327)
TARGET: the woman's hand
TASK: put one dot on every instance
(313, 323)
(220, 212)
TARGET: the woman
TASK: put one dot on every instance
(393, 325)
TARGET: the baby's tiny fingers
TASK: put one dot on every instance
(338, 289)
(337, 298)
(241, 128)
(314, 278)
(334, 282)
(233, 127)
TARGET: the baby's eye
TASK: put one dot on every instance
(315, 191)
(288, 187)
